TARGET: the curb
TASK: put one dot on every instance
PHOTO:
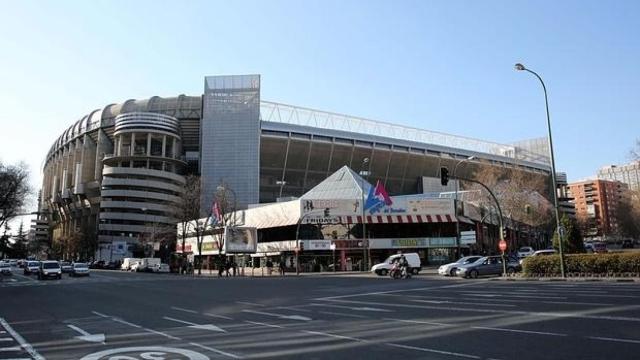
(620, 280)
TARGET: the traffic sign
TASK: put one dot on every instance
(502, 245)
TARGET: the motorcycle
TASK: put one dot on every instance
(399, 272)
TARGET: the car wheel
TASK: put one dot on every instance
(415, 271)
(473, 274)
(511, 271)
(384, 272)
(452, 272)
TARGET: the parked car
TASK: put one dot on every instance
(600, 248)
(161, 268)
(31, 267)
(383, 268)
(49, 269)
(66, 266)
(79, 269)
(588, 247)
(145, 264)
(13, 262)
(488, 265)
(5, 268)
(541, 253)
(627, 244)
(127, 263)
(450, 269)
(525, 251)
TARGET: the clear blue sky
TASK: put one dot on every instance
(437, 65)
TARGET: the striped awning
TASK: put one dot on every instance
(399, 219)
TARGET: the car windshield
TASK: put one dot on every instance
(33, 263)
(79, 265)
(4, 265)
(51, 265)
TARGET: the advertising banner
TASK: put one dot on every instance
(240, 239)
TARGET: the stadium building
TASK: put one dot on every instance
(117, 173)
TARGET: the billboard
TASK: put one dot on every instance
(240, 239)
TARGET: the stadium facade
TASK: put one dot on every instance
(117, 174)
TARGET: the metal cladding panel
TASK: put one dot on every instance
(230, 137)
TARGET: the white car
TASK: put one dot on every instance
(49, 269)
(161, 268)
(525, 251)
(541, 253)
(5, 268)
(450, 269)
(383, 268)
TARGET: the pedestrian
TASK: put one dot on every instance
(282, 267)
(234, 266)
(269, 266)
(227, 266)
(220, 267)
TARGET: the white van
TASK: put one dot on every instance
(145, 264)
(127, 263)
(383, 268)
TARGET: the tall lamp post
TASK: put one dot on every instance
(520, 67)
(455, 204)
(365, 246)
(282, 183)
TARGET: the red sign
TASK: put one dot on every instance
(502, 245)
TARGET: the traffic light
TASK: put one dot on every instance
(504, 233)
(444, 176)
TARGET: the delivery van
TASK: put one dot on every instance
(383, 268)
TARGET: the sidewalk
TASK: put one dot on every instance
(263, 272)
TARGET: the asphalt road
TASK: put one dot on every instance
(124, 316)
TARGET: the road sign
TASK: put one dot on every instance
(502, 245)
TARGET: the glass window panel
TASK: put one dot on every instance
(156, 144)
(169, 147)
(125, 145)
(298, 154)
(140, 147)
(341, 156)
(272, 152)
(320, 154)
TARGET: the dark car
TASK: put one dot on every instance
(627, 244)
(488, 265)
(65, 266)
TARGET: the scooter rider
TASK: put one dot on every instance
(404, 266)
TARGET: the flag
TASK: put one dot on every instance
(216, 214)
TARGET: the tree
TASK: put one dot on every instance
(188, 210)
(628, 214)
(572, 241)
(517, 191)
(635, 152)
(14, 191)
(225, 204)
(19, 247)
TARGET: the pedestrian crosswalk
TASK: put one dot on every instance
(13, 346)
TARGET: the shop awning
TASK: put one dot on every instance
(399, 219)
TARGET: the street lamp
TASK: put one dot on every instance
(282, 183)
(520, 67)
(363, 173)
(455, 203)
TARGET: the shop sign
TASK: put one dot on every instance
(350, 244)
(410, 243)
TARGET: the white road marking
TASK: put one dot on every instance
(13, 348)
(576, 315)
(183, 309)
(517, 331)
(281, 316)
(249, 303)
(333, 335)
(216, 350)
(341, 314)
(218, 316)
(614, 339)
(514, 296)
(461, 303)
(118, 320)
(86, 336)
(6, 339)
(264, 324)
(362, 308)
(25, 345)
(419, 322)
(196, 326)
(433, 351)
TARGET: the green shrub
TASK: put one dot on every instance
(614, 264)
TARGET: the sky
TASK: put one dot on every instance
(438, 65)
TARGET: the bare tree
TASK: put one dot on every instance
(225, 212)
(635, 152)
(628, 214)
(14, 190)
(188, 211)
(519, 195)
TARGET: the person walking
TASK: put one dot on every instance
(282, 267)
(227, 266)
(220, 267)
(234, 267)
(269, 266)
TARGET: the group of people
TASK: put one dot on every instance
(225, 265)
(282, 267)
